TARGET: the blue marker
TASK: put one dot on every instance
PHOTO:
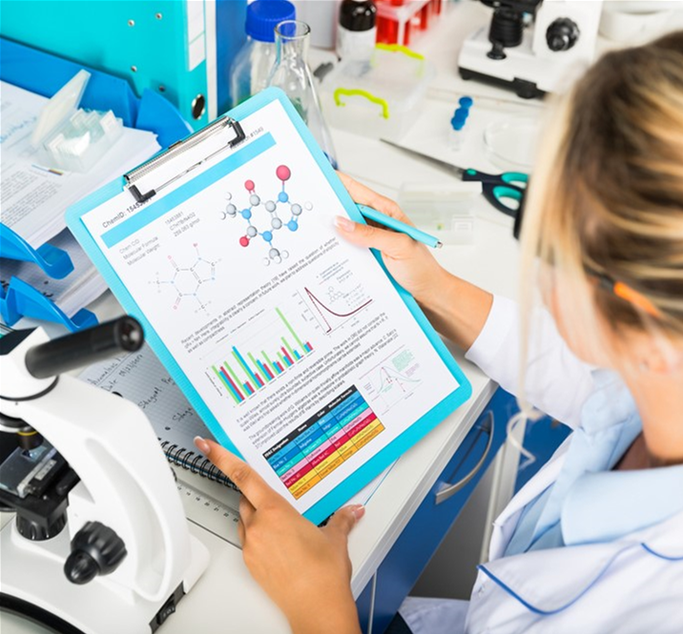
(401, 227)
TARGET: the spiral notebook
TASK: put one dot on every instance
(141, 378)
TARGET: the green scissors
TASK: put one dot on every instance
(497, 188)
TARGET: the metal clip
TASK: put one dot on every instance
(176, 150)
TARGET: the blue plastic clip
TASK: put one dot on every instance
(55, 262)
(20, 299)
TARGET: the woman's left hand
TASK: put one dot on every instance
(306, 570)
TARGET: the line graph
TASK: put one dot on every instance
(392, 380)
(331, 318)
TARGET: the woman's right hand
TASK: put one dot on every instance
(456, 308)
(409, 262)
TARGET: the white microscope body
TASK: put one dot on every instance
(533, 59)
(125, 484)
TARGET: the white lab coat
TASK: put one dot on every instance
(630, 585)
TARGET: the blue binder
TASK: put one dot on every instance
(178, 49)
(147, 213)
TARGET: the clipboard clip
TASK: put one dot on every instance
(175, 150)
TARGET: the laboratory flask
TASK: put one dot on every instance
(292, 75)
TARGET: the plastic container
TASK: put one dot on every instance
(253, 64)
(72, 139)
(380, 98)
(445, 211)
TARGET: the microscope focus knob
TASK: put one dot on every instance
(562, 34)
(95, 550)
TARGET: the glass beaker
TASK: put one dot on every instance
(292, 75)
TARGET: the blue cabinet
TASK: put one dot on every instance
(364, 603)
(440, 508)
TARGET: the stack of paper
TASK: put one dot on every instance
(33, 197)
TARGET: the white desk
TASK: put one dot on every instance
(226, 599)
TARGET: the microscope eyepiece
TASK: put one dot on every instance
(83, 348)
(131, 334)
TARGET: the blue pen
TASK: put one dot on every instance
(387, 221)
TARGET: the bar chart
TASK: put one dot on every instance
(249, 367)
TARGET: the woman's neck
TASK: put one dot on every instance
(659, 398)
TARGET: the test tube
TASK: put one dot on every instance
(458, 121)
(457, 135)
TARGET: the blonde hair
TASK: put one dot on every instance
(607, 196)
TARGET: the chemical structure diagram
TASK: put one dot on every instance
(276, 223)
(186, 281)
(333, 294)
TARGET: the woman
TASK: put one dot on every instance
(593, 543)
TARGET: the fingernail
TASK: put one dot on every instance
(344, 223)
(202, 445)
(358, 511)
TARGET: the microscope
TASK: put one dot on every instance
(532, 46)
(99, 543)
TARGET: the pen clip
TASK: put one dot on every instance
(134, 177)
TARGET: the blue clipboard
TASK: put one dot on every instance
(381, 460)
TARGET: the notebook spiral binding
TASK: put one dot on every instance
(195, 462)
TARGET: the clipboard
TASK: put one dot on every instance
(372, 361)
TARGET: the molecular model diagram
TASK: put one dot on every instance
(186, 281)
(275, 255)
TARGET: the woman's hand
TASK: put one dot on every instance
(410, 262)
(305, 569)
(456, 308)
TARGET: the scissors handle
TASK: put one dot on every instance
(497, 194)
(516, 179)
(500, 187)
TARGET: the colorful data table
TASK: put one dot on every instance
(323, 442)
